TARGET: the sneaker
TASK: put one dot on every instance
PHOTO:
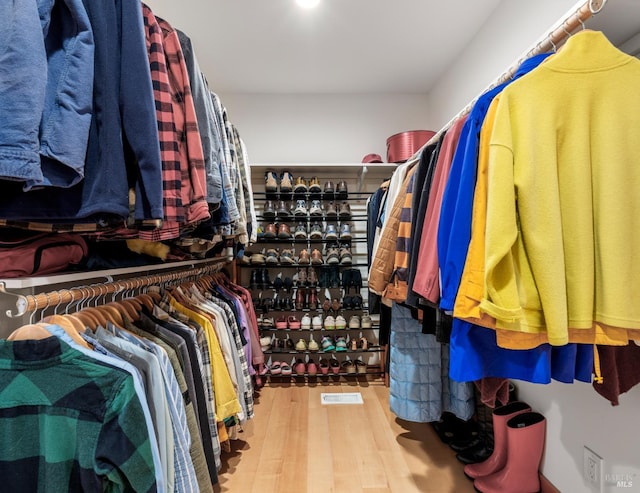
(345, 211)
(304, 257)
(301, 345)
(272, 256)
(327, 344)
(300, 186)
(345, 256)
(333, 256)
(341, 323)
(331, 210)
(341, 344)
(313, 345)
(316, 208)
(329, 323)
(354, 322)
(271, 182)
(316, 322)
(316, 257)
(286, 181)
(314, 185)
(285, 369)
(293, 323)
(341, 190)
(345, 231)
(288, 256)
(301, 208)
(312, 368)
(316, 231)
(301, 232)
(366, 322)
(330, 232)
(300, 368)
(305, 323)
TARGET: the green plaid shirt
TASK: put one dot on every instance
(69, 423)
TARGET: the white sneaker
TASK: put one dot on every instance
(354, 322)
(305, 322)
(341, 323)
(366, 322)
(316, 323)
(329, 323)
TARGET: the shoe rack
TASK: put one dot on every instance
(308, 272)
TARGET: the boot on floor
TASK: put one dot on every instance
(525, 444)
(498, 458)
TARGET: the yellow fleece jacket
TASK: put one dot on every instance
(564, 194)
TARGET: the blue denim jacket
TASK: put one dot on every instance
(123, 147)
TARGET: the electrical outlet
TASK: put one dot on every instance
(592, 468)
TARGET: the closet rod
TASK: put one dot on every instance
(33, 302)
(559, 34)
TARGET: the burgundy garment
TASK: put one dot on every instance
(493, 389)
(620, 369)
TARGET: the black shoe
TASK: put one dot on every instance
(464, 445)
(474, 455)
(255, 279)
(265, 282)
(277, 283)
(356, 279)
(287, 283)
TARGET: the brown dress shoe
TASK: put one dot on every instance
(303, 257)
(283, 209)
(269, 210)
(283, 231)
(341, 190)
(329, 188)
(316, 257)
(270, 231)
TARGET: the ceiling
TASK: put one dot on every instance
(341, 46)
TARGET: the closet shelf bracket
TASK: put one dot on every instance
(21, 302)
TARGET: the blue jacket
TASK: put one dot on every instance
(123, 146)
(46, 77)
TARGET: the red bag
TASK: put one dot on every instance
(24, 254)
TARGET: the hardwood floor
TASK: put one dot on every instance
(295, 445)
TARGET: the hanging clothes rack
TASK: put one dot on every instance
(558, 35)
(41, 301)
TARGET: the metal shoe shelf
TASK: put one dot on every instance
(362, 181)
(371, 371)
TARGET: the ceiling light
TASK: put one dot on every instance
(308, 4)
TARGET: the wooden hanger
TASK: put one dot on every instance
(76, 322)
(29, 332)
(66, 324)
(146, 300)
(113, 315)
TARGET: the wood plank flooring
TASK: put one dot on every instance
(296, 445)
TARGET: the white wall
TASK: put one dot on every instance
(322, 128)
(576, 414)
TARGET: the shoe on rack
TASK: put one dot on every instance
(341, 190)
(269, 209)
(312, 299)
(286, 182)
(265, 343)
(265, 282)
(316, 209)
(345, 211)
(300, 368)
(366, 322)
(327, 344)
(301, 277)
(281, 323)
(333, 256)
(300, 185)
(334, 364)
(316, 231)
(272, 256)
(284, 210)
(301, 232)
(348, 366)
(345, 256)
(301, 209)
(254, 281)
(288, 345)
(314, 185)
(312, 368)
(316, 257)
(285, 369)
(284, 233)
(361, 366)
(312, 277)
(300, 299)
(354, 322)
(271, 182)
(305, 323)
(324, 366)
(345, 231)
(304, 258)
(330, 210)
(329, 188)
(270, 231)
(313, 345)
(329, 323)
(288, 256)
(301, 345)
(293, 323)
(341, 322)
(275, 368)
(316, 322)
(363, 344)
(330, 232)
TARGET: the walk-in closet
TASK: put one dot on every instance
(319, 246)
